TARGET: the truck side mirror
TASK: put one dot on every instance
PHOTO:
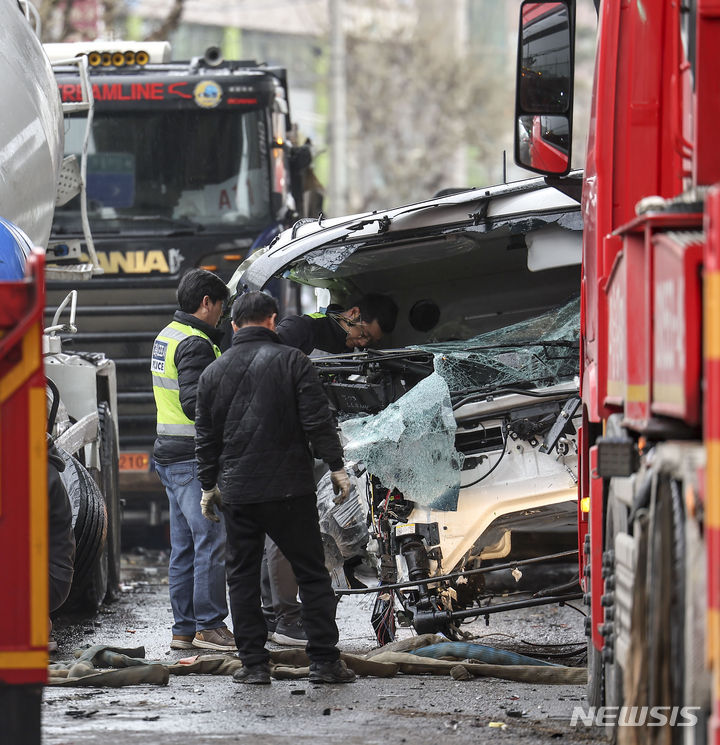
(544, 87)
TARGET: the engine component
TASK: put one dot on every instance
(415, 554)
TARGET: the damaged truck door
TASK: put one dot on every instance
(462, 428)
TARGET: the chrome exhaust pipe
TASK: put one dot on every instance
(213, 57)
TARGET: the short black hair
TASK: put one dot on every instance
(376, 307)
(197, 283)
(253, 307)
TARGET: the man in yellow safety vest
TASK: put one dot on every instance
(181, 351)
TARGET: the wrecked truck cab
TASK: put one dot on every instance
(463, 427)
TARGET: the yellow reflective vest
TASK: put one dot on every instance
(171, 419)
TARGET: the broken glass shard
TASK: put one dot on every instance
(410, 445)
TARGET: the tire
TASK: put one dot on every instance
(666, 598)
(90, 529)
(111, 495)
(596, 676)
(605, 678)
(656, 675)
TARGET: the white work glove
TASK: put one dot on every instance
(210, 500)
(341, 485)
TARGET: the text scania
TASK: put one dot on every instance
(133, 262)
(635, 716)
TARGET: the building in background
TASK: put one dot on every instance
(426, 88)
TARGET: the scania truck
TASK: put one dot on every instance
(188, 165)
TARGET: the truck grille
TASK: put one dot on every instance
(121, 319)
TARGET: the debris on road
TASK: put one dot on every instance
(114, 667)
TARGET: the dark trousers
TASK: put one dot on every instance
(278, 589)
(293, 525)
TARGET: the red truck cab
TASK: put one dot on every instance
(649, 477)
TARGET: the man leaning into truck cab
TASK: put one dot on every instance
(362, 324)
(181, 352)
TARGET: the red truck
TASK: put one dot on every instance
(649, 469)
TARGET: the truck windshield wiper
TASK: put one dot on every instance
(180, 224)
(118, 223)
(519, 345)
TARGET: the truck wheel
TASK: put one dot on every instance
(596, 676)
(110, 491)
(654, 677)
(90, 529)
(605, 676)
(666, 597)
(604, 686)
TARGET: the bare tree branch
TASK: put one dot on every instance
(112, 12)
(60, 19)
(407, 130)
(169, 24)
(46, 10)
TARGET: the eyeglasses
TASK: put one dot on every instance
(363, 332)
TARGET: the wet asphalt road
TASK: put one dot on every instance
(213, 709)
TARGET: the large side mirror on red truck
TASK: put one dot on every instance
(544, 87)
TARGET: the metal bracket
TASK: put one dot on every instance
(556, 431)
(82, 433)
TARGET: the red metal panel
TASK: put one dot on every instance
(638, 337)
(583, 491)
(677, 326)
(706, 163)
(597, 213)
(616, 366)
(23, 481)
(712, 401)
(640, 154)
(14, 520)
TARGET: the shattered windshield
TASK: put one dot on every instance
(539, 351)
(411, 443)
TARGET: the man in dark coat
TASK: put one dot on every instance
(364, 322)
(259, 406)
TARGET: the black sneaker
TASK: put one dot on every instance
(331, 672)
(253, 674)
(290, 635)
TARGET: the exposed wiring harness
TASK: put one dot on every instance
(487, 473)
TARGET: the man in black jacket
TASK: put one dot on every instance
(337, 331)
(257, 408)
(182, 350)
